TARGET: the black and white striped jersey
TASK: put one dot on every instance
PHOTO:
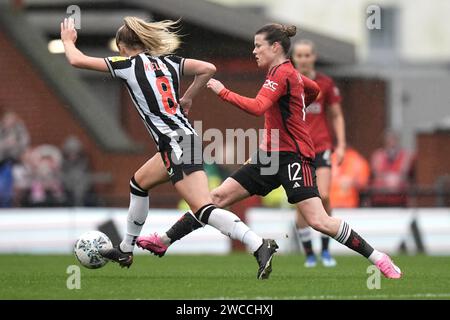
(154, 85)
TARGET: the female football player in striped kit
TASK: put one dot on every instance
(282, 100)
(151, 73)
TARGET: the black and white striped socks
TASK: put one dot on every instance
(343, 233)
(348, 237)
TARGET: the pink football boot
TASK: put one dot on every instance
(153, 244)
(388, 268)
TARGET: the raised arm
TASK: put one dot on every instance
(203, 71)
(75, 57)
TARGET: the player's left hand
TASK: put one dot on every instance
(68, 32)
(215, 85)
(340, 154)
(186, 104)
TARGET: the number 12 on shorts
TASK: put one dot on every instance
(293, 171)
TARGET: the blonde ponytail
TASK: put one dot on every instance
(159, 38)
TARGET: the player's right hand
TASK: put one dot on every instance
(215, 85)
(340, 154)
(186, 104)
(68, 32)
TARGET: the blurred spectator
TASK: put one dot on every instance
(76, 173)
(14, 139)
(45, 188)
(348, 179)
(22, 177)
(391, 172)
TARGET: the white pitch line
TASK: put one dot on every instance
(334, 297)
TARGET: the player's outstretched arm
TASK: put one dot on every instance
(256, 106)
(75, 57)
(203, 71)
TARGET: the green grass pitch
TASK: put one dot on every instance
(218, 277)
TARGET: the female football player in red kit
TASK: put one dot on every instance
(327, 103)
(282, 100)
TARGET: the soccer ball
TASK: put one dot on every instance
(86, 249)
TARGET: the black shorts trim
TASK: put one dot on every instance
(307, 194)
(294, 173)
(323, 159)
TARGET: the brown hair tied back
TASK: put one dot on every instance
(276, 32)
(290, 31)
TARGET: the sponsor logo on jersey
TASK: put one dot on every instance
(118, 58)
(271, 85)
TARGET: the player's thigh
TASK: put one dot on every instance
(152, 173)
(250, 179)
(193, 188)
(323, 178)
(228, 193)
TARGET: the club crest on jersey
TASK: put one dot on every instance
(271, 85)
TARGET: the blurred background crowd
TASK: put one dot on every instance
(72, 138)
(42, 175)
(50, 175)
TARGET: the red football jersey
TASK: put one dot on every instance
(316, 116)
(286, 88)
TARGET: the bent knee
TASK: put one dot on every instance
(317, 223)
(325, 199)
(324, 195)
(218, 199)
(137, 189)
